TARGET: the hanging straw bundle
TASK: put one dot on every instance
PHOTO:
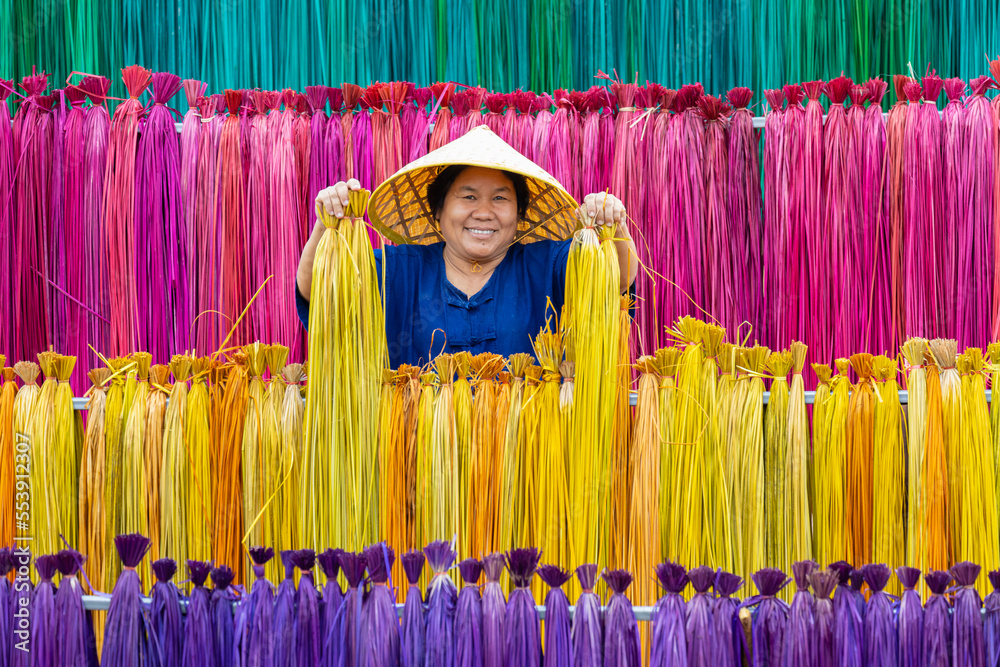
(775, 453)
(206, 265)
(728, 643)
(462, 401)
(165, 612)
(347, 375)
(283, 187)
(797, 518)
(824, 651)
(221, 612)
(379, 629)
(671, 617)
(290, 415)
(8, 398)
(621, 632)
(68, 447)
(275, 527)
(283, 622)
(685, 153)
(937, 634)
(858, 461)
(174, 469)
(523, 639)
(896, 196)
(588, 622)
(880, 639)
(769, 616)
(42, 434)
(307, 640)
(258, 207)
(979, 521)
(228, 527)
(133, 512)
(198, 479)
(749, 447)
(494, 612)
(888, 466)
(991, 622)
(554, 537)
(644, 526)
(392, 461)
(255, 613)
(953, 421)
(798, 647)
(77, 645)
(795, 153)
(721, 299)
(976, 271)
(558, 645)
(774, 246)
(442, 597)
(830, 467)
(44, 642)
(234, 282)
(198, 624)
(156, 411)
(413, 632)
(746, 224)
(874, 182)
(114, 422)
(72, 254)
(440, 464)
(188, 152)
(131, 643)
(718, 547)
(849, 638)
(621, 427)
(916, 432)
(485, 456)
(254, 462)
(425, 428)
(967, 644)
(858, 241)
(469, 615)
(7, 165)
(953, 143)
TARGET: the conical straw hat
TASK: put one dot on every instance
(398, 208)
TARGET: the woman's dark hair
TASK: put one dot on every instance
(439, 187)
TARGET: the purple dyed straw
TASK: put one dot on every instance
(130, 645)
(937, 620)
(674, 623)
(198, 625)
(308, 643)
(331, 613)
(909, 619)
(524, 645)
(414, 630)
(726, 626)
(967, 621)
(558, 644)
(44, 620)
(825, 618)
(588, 621)
(621, 632)
(991, 629)
(799, 644)
(494, 612)
(221, 612)
(469, 616)
(284, 613)
(165, 612)
(880, 624)
(380, 646)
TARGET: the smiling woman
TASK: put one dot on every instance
(484, 236)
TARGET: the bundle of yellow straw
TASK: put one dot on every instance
(829, 449)
(775, 453)
(507, 537)
(291, 412)
(644, 527)
(485, 468)
(347, 353)
(718, 542)
(123, 373)
(91, 508)
(621, 473)
(133, 512)
(666, 365)
(463, 444)
(156, 413)
(526, 502)
(889, 471)
(592, 317)
(44, 431)
(230, 415)
(275, 526)
(497, 460)
(724, 550)
(411, 404)
(858, 462)
(552, 510)
(392, 464)
(750, 447)
(739, 387)
(978, 537)
(798, 517)
(945, 356)
(198, 481)
(441, 462)
(253, 467)
(937, 551)
(423, 489)
(8, 395)
(916, 437)
(174, 469)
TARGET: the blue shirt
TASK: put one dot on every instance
(427, 315)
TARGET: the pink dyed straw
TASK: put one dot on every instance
(858, 259)
(283, 235)
(831, 243)
(74, 155)
(897, 146)
(659, 223)
(816, 278)
(975, 328)
(96, 131)
(745, 210)
(56, 242)
(258, 210)
(190, 130)
(995, 72)
(685, 154)
(719, 234)
(420, 136)
(6, 220)
(774, 251)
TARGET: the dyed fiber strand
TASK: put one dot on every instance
(174, 467)
(775, 452)
(587, 633)
(685, 153)
(795, 145)
(8, 398)
(198, 623)
(799, 646)
(119, 212)
(726, 629)
(776, 229)
(954, 132)
(255, 625)
(967, 643)
(7, 214)
(979, 196)
(7, 602)
(469, 615)
(644, 527)
(621, 632)
(719, 235)
(880, 624)
(166, 621)
(206, 271)
(858, 241)
(674, 623)
(413, 639)
(824, 618)
(232, 223)
(937, 634)
(798, 528)
(819, 275)
(521, 626)
(558, 645)
(132, 643)
(257, 148)
(858, 463)
(953, 418)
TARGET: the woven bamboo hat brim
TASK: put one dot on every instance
(398, 208)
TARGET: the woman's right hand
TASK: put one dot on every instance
(334, 199)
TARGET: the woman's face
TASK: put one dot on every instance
(478, 218)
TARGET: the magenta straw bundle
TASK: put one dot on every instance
(799, 646)
(967, 621)
(413, 640)
(119, 213)
(165, 612)
(282, 233)
(830, 247)
(937, 634)
(161, 249)
(442, 598)
(494, 612)
(680, 633)
(221, 612)
(74, 253)
(991, 622)
(495, 118)
(7, 163)
(719, 235)
(909, 619)
(198, 622)
(188, 148)
(284, 614)
(301, 140)
(319, 161)
(558, 643)
(474, 101)
(420, 133)
(541, 142)
(588, 622)
(33, 145)
(55, 244)
(746, 223)
(564, 145)
(44, 620)
(880, 645)
(621, 632)
(257, 210)
(659, 232)
(776, 233)
(896, 146)
(96, 129)
(76, 643)
(726, 628)
(816, 281)
(523, 641)
(206, 264)
(597, 137)
(795, 141)
(131, 644)
(876, 234)
(469, 616)
(441, 94)
(458, 124)
(975, 272)
(364, 145)
(380, 640)
(685, 155)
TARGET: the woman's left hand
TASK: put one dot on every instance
(603, 208)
